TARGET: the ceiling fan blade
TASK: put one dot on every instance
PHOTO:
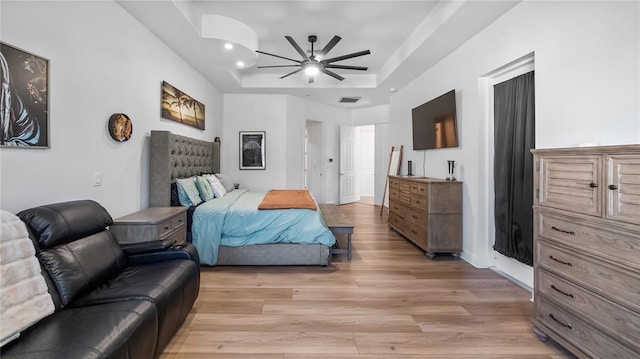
(291, 73)
(344, 57)
(266, 67)
(278, 56)
(345, 67)
(295, 46)
(311, 79)
(329, 46)
(331, 73)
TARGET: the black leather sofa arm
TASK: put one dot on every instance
(181, 251)
(146, 247)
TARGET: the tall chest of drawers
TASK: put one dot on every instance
(587, 249)
(428, 212)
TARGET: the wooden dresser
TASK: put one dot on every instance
(153, 223)
(587, 249)
(428, 212)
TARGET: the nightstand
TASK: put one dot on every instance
(154, 223)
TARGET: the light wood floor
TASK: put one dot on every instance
(389, 302)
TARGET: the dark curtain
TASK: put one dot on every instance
(514, 127)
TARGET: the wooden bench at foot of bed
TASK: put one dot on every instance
(338, 224)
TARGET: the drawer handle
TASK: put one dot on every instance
(593, 185)
(566, 325)
(166, 227)
(559, 261)
(563, 231)
(613, 187)
(553, 286)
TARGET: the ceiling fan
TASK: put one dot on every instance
(314, 63)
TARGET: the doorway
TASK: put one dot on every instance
(512, 268)
(357, 164)
(366, 154)
(313, 164)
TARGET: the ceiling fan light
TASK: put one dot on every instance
(311, 69)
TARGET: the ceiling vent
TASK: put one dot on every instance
(349, 99)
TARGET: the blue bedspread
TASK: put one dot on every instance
(234, 220)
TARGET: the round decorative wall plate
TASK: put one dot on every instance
(120, 127)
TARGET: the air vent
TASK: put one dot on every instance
(349, 99)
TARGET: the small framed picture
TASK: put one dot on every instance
(252, 150)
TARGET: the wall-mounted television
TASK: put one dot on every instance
(434, 123)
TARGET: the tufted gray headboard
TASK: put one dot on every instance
(173, 156)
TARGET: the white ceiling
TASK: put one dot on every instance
(405, 39)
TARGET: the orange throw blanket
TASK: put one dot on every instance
(287, 198)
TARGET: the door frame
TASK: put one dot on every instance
(313, 159)
(517, 271)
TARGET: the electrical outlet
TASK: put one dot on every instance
(97, 179)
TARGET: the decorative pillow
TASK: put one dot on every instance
(188, 192)
(226, 181)
(204, 187)
(218, 188)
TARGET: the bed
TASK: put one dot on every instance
(173, 156)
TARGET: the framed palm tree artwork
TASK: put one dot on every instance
(180, 107)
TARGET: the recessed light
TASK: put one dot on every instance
(228, 46)
(240, 64)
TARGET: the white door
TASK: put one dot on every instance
(348, 183)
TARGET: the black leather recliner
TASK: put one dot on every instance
(111, 301)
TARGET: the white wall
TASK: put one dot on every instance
(587, 89)
(383, 150)
(255, 113)
(370, 115)
(102, 61)
(283, 117)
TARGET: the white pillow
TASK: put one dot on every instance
(218, 188)
(226, 181)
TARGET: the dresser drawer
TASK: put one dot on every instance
(414, 217)
(394, 183)
(396, 220)
(417, 235)
(165, 228)
(580, 334)
(617, 246)
(180, 237)
(179, 221)
(394, 194)
(609, 281)
(397, 208)
(613, 318)
(419, 188)
(419, 202)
